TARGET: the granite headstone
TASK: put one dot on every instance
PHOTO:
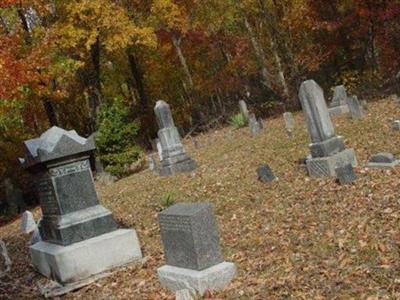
(265, 174)
(345, 174)
(355, 107)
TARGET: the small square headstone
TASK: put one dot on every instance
(396, 125)
(190, 236)
(265, 174)
(345, 174)
(28, 224)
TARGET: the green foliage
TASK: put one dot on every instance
(238, 120)
(167, 200)
(115, 138)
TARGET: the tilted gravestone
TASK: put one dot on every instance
(174, 158)
(327, 150)
(28, 226)
(345, 174)
(243, 109)
(383, 160)
(254, 125)
(339, 101)
(355, 107)
(289, 122)
(265, 174)
(80, 236)
(192, 252)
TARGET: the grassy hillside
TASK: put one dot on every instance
(296, 238)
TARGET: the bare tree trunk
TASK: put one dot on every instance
(137, 75)
(260, 55)
(177, 44)
(281, 74)
(94, 84)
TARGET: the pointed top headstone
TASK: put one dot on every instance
(316, 112)
(163, 114)
(339, 96)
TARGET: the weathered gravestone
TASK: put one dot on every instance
(29, 226)
(339, 101)
(345, 174)
(289, 122)
(243, 109)
(327, 150)
(355, 107)
(80, 236)
(5, 261)
(265, 174)
(151, 162)
(364, 104)
(254, 125)
(173, 156)
(192, 252)
(383, 160)
(396, 125)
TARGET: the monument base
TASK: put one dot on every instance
(79, 261)
(325, 166)
(391, 165)
(186, 165)
(213, 278)
(338, 110)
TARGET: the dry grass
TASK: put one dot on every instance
(297, 238)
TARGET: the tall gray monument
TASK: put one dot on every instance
(339, 101)
(174, 158)
(80, 236)
(191, 246)
(327, 150)
(289, 122)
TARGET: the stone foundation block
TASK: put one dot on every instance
(187, 165)
(214, 278)
(382, 165)
(79, 261)
(325, 166)
(338, 110)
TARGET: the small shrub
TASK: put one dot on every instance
(167, 200)
(117, 164)
(238, 120)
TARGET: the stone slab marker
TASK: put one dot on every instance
(339, 101)
(191, 246)
(396, 125)
(243, 109)
(327, 150)
(289, 122)
(173, 156)
(355, 108)
(80, 236)
(383, 160)
(254, 125)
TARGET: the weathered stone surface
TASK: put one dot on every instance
(289, 121)
(185, 294)
(151, 163)
(214, 278)
(338, 110)
(265, 174)
(345, 174)
(81, 260)
(173, 156)
(355, 108)
(190, 236)
(5, 261)
(364, 104)
(28, 224)
(243, 109)
(339, 96)
(326, 166)
(383, 160)
(254, 125)
(319, 123)
(329, 147)
(396, 125)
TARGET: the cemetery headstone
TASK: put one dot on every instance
(339, 101)
(173, 156)
(183, 295)
(254, 125)
(191, 245)
(383, 160)
(327, 149)
(289, 122)
(151, 162)
(364, 104)
(243, 109)
(29, 226)
(345, 174)
(5, 261)
(80, 236)
(396, 125)
(355, 107)
(265, 174)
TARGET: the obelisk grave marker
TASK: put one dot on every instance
(327, 150)
(80, 236)
(173, 156)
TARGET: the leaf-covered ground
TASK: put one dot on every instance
(297, 238)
